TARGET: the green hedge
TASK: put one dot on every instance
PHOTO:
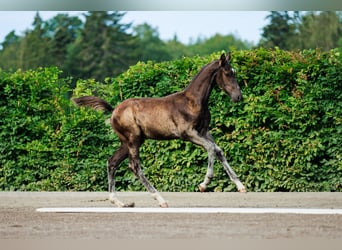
(286, 134)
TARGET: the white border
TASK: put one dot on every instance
(193, 210)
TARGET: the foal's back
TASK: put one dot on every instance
(153, 118)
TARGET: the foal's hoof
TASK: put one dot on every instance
(131, 204)
(164, 205)
(202, 188)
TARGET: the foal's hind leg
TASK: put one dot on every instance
(134, 165)
(112, 165)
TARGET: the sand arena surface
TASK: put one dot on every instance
(19, 218)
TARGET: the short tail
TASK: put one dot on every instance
(93, 102)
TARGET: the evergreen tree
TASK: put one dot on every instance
(176, 49)
(320, 30)
(34, 47)
(281, 31)
(151, 47)
(105, 48)
(292, 31)
(10, 39)
(64, 31)
(9, 51)
(217, 43)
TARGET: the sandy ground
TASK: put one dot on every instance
(20, 220)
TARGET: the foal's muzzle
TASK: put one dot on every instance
(236, 97)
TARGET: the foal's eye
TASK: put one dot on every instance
(231, 72)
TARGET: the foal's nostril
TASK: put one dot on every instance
(238, 98)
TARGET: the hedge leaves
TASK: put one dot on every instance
(286, 134)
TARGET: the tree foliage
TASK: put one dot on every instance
(281, 31)
(101, 46)
(295, 30)
(284, 136)
(150, 45)
(105, 48)
(322, 30)
(216, 43)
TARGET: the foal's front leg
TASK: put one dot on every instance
(210, 172)
(211, 159)
(213, 150)
(219, 154)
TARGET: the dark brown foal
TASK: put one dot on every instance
(183, 115)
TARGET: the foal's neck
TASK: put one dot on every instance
(200, 87)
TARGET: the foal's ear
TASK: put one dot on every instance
(228, 57)
(222, 59)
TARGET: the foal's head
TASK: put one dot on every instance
(225, 78)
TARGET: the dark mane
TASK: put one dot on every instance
(209, 67)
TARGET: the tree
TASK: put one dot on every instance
(320, 30)
(10, 39)
(9, 51)
(281, 30)
(105, 48)
(151, 47)
(63, 31)
(217, 42)
(176, 49)
(45, 45)
(34, 47)
(292, 31)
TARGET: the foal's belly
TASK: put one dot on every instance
(159, 128)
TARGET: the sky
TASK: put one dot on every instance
(187, 25)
